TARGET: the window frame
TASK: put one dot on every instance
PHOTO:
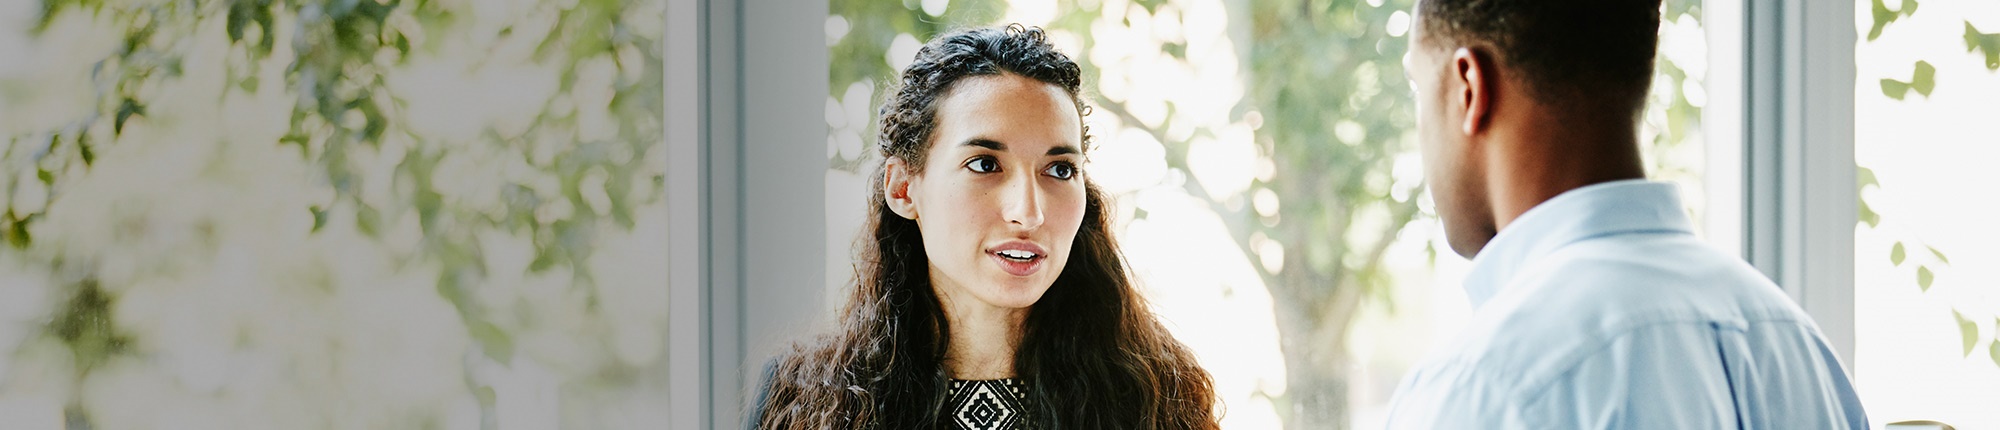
(1782, 112)
(746, 171)
(687, 292)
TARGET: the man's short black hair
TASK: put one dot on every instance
(1591, 54)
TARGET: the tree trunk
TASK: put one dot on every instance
(1314, 314)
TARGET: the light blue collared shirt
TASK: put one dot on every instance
(1599, 309)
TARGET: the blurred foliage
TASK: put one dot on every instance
(1923, 81)
(1987, 43)
(586, 165)
(1321, 85)
(1883, 16)
(86, 326)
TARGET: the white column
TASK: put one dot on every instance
(746, 83)
(1797, 63)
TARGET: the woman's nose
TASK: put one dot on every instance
(1023, 204)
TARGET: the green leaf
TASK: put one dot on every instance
(1869, 216)
(234, 24)
(17, 232)
(1924, 278)
(544, 259)
(88, 326)
(1939, 254)
(368, 220)
(1994, 349)
(319, 217)
(1864, 178)
(494, 342)
(1924, 80)
(1968, 332)
(84, 149)
(374, 126)
(1971, 37)
(46, 177)
(263, 17)
(1881, 17)
(126, 109)
(1894, 89)
(1987, 43)
(1896, 254)
(402, 46)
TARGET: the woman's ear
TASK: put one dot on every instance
(896, 188)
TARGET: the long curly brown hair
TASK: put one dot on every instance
(1092, 354)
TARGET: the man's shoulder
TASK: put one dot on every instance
(1617, 282)
(1588, 295)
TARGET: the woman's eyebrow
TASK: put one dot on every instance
(986, 143)
(997, 146)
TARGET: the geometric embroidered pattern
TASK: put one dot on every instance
(987, 405)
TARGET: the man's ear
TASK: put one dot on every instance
(1474, 72)
(896, 188)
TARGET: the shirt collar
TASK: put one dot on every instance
(1597, 210)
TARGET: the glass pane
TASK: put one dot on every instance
(1270, 195)
(1925, 266)
(331, 215)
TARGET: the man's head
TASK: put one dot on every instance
(1483, 68)
(1587, 54)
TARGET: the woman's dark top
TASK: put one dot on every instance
(994, 404)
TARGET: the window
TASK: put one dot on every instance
(1271, 198)
(1927, 312)
(276, 214)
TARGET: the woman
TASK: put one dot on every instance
(989, 293)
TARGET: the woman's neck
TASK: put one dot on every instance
(984, 337)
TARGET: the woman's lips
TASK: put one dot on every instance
(1018, 267)
(1019, 258)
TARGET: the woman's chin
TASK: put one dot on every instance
(1015, 294)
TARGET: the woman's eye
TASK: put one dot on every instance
(1064, 171)
(983, 165)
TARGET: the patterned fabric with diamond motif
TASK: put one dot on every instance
(987, 405)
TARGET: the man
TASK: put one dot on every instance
(1595, 305)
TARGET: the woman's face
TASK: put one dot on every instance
(1001, 195)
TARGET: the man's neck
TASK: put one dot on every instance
(984, 338)
(1547, 157)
